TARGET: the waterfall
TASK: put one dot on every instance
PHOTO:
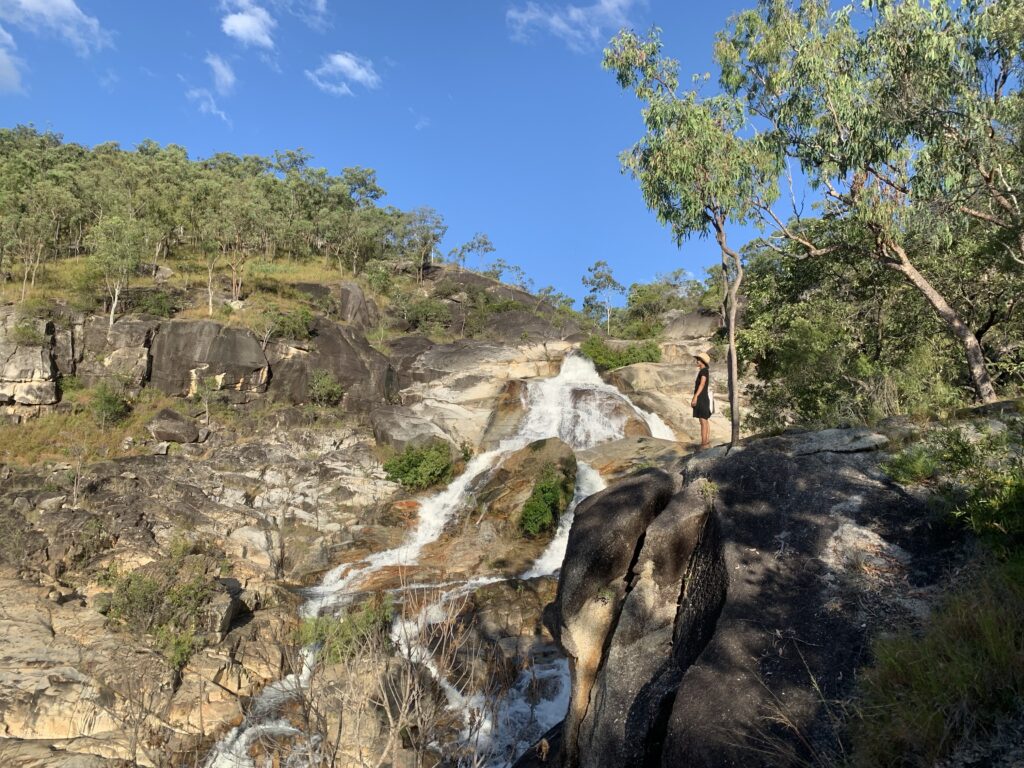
(552, 410)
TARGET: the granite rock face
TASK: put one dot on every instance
(189, 354)
(28, 375)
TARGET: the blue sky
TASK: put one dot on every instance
(495, 112)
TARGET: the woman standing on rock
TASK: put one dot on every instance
(702, 402)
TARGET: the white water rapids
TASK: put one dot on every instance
(553, 409)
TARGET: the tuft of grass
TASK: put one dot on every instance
(337, 637)
(926, 693)
(914, 465)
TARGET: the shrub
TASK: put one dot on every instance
(429, 314)
(165, 599)
(423, 467)
(338, 637)
(926, 692)
(605, 358)
(158, 303)
(109, 405)
(547, 501)
(26, 333)
(324, 389)
(912, 465)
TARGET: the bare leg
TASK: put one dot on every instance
(705, 433)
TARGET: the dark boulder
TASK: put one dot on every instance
(364, 373)
(171, 426)
(185, 352)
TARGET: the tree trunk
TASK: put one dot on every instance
(209, 289)
(114, 296)
(608, 314)
(731, 295)
(983, 386)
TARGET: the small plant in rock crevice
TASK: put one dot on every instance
(418, 468)
(548, 500)
(324, 388)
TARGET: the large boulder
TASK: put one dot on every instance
(364, 373)
(119, 351)
(821, 552)
(354, 308)
(681, 326)
(399, 428)
(170, 426)
(188, 353)
(596, 582)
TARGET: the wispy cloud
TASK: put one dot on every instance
(339, 71)
(10, 73)
(248, 23)
(61, 17)
(422, 121)
(223, 74)
(581, 27)
(206, 104)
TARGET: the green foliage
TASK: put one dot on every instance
(418, 468)
(338, 637)
(158, 303)
(324, 389)
(428, 314)
(981, 479)
(605, 358)
(165, 599)
(927, 692)
(109, 404)
(913, 465)
(547, 501)
(26, 333)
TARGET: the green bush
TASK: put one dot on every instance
(913, 465)
(166, 600)
(324, 389)
(429, 314)
(158, 303)
(109, 405)
(423, 467)
(926, 692)
(547, 502)
(338, 637)
(27, 334)
(605, 358)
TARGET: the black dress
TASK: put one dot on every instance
(703, 408)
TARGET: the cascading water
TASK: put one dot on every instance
(553, 409)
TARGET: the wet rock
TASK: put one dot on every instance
(170, 426)
(507, 414)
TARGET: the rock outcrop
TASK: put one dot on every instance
(195, 354)
(28, 375)
(119, 352)
(670, 668)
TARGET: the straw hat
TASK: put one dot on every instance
(703, 357)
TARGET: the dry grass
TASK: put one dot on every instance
(75, 434)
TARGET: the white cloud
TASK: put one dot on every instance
(223, 74)
(248, 23)
(338, 71)
(62, 17)
(580, 27)
(206, 104)
(10, 73)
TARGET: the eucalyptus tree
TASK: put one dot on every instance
(115, 245)
(480, 244)
(907, 117)
(601, 287)
(701, 167)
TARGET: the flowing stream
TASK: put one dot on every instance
(553, 409)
